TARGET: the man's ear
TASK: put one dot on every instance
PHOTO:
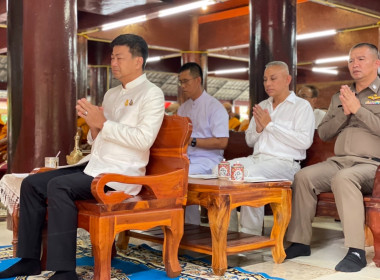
(289, 79)
(139, 62)
(378, 64)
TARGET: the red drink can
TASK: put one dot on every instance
(237, 172)
(224, 169)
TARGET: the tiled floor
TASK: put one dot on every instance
(327, 251)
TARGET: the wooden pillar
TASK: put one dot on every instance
(98, 84)
(272, 37)
(42, 86)
(194, 55)
(82, 67)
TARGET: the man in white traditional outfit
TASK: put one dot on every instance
(121, 133)
(281, 130)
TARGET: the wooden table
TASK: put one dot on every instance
(220, 196)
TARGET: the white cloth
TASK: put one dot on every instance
(134, 116)
(318, 115)
(289, 133)
(209, 119)
(10, 186)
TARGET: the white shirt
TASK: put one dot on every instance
(318, 115)
(209, 119)
(289, 133)
(134, 116)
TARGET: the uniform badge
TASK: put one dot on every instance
(128, 102)
(374, 100)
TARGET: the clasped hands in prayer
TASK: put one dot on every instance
(262, 117)
(94, 115)
(350, 102)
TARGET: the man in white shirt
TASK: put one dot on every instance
(310, 93)
(210, 127)
(281, 130)
(121, 133)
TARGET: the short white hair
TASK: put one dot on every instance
(278, 63)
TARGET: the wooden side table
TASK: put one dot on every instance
(220, 196)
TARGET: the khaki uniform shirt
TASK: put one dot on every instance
(358, 134)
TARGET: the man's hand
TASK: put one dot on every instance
(262, 118)
(93, 115)
(350, 102)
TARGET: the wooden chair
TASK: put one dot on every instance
(160, 202)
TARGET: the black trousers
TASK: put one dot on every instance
(56, 192)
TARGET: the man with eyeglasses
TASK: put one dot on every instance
(210, 127)
(310, 93)
(354, 118)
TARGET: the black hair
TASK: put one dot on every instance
(195, 70)
(372, 48)
(314, 91)
(137, 45)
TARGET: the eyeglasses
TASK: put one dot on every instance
(304, 96)
(184, 82)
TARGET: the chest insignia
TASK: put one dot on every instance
(374, 100)
(377, 102)
(128, 102)
(374, 97)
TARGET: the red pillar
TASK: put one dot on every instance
(82, 67)
(273, 37)
(43, 73)
(194, 55)
(98, 83)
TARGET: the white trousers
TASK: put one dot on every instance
(252, 218)
(192, 212)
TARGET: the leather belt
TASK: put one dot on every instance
(374, 158)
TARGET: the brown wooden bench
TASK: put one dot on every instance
(320, 151)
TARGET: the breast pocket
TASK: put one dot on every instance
(128, 115)
(375, 108)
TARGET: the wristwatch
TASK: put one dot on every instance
(194, 142)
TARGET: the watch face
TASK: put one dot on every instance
(193, 142)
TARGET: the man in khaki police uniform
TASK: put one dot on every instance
(354, 117)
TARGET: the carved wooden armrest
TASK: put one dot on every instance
(162, 186)
(41, 170)
(376, 184)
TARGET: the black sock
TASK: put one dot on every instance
(297, 250)
(24, 267)
(354, 261)
(64, 275)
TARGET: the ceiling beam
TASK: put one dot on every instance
(224, 15)
(368, 8)
(242, 11)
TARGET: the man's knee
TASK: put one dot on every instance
(343, 179)
(55, 186)
(302, 178)
(29, 184)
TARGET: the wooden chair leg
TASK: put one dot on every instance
(172, 238)
(102, 239)
(15, 220)
(122, 240)
(373, 215)
(368, 236)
